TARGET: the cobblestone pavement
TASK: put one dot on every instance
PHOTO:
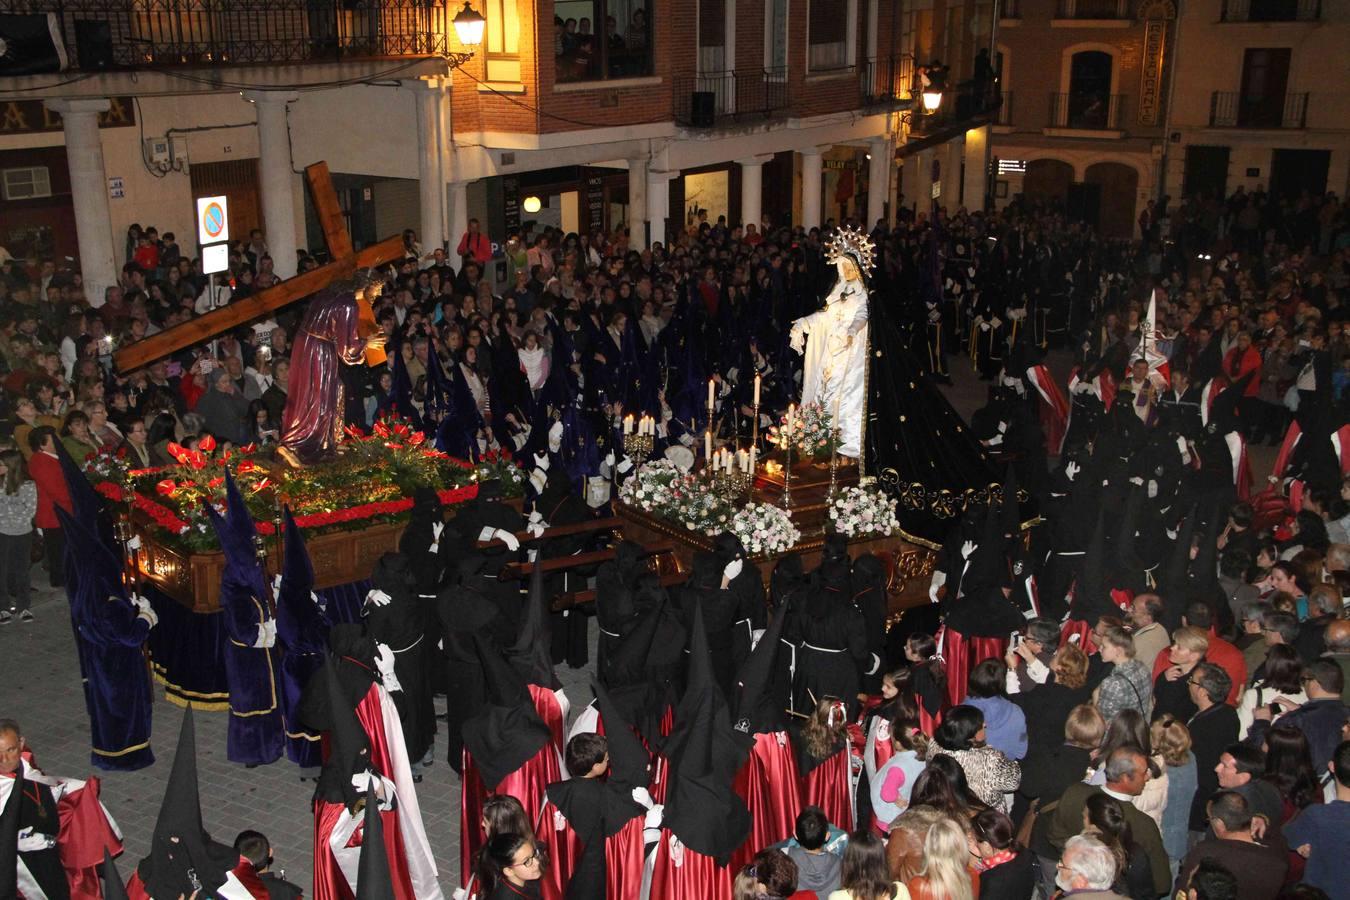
(43, 692)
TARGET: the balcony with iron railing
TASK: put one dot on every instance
(712, 99)
(101, 34)
(1271, 11)
(1093, 9)
(1087, 112)
(1230, 109)
(967, 105)
(887, 80)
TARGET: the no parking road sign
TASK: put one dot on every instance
(213, 220)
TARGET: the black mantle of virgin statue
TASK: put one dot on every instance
(913, 435)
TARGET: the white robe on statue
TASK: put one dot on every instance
(835, 366)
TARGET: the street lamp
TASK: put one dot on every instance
(532, 204)
(469, 26)
(934, 78)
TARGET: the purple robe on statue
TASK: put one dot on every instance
(328, 334)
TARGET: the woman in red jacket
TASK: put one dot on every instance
(45, 469)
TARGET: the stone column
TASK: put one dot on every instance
(276, 176)
(951, 175)
(811, 187)
(977, 167)
(89, 194)
(459, 217)
(429, 98)
(879, 169)
(637, 201)
(752, 189)
(658, 204)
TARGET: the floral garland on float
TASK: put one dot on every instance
(665, 491)
(765, 529)
(812, 434)
(371, 482)
(863, 512)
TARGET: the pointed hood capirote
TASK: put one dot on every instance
(181, 849)
(507, 731)
(373, 880)
(756, 710)
(531, 654)
(730, 747)
(235, 531)
(702, 810)
(113, 888)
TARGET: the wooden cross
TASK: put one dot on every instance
(345, 261)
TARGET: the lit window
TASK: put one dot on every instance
(503, 40)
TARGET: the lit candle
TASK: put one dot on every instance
(788, 425)
(756, 389)
(627, 424)
(742, 460)
(753, 454)
(707, 446)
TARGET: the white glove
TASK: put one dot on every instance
(364, 781)
(1152, 489)
(968, 548)
(939, 579)
(733, 569)
(1072, 469)
(643, 797)
(134, 543)
(536, 529)
(276, 585)
(541, 460)
(436, 529)
(687, 439)
(376, 597)
(625, 465)
(267, 634)
(555, 436)
(31, 841)
(149, 615)
(1137, 481)
(537, 518)
(141, 602)
(506, 538)
(609, 459)
(384, 662)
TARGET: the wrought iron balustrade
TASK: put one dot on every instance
(159, 33)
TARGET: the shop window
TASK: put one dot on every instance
(502, 41)
(600, 39)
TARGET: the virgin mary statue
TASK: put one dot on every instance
(857, 365)
(834, 342)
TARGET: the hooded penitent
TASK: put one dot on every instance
(182, 855)
(255, 735)
(302, 628)
(393, 618)
(109, 635)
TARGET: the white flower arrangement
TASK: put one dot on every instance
(764, 529)
(813, 432)
(858, 511)
(661, 488)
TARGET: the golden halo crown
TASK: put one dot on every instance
(854, 244)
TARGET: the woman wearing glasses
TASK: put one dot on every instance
(510, 867)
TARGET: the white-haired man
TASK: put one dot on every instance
(1087, 870)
